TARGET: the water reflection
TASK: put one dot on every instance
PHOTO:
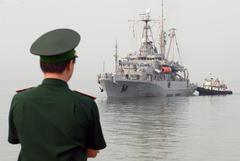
(143, 128)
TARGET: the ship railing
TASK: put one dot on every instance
(109, 76)
(105, 76)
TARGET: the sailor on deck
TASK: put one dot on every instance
(51, 121)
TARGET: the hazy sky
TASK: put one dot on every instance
(207, 31)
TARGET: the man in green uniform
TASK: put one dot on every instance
(52, 122)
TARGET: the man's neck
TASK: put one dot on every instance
(56, 76)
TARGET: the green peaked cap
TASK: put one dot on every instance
(56, 45)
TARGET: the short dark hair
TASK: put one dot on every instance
(57, 67)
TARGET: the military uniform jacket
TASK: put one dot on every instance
(54, 123)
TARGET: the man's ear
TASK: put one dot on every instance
(68, 65)
(71, 64)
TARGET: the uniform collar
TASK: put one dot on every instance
(54, 82)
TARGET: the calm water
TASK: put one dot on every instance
(157, 129)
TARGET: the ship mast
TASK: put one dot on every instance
(146, 20)
(162, 35)
(116, 57)
(147, 43)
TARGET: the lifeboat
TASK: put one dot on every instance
(166, 70)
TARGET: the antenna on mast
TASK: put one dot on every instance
(162, 14)
(104, 66)
(162, 35)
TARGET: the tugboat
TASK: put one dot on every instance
(213, 87)
(148, 72)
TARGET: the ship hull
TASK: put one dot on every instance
(205, 92)
(137, 88)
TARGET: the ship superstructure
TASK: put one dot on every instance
(148, 72)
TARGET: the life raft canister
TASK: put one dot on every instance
(166, 69)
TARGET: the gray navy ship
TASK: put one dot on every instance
(147, 72)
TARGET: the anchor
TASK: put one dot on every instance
(101, 89)
(124, 88)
